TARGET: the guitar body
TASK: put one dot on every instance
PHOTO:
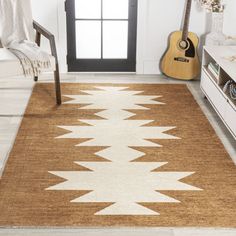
(181, 60)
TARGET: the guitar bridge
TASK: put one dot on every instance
(181, 59)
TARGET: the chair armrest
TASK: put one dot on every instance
(40, 30)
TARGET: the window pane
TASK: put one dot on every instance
(88, 9)
(88, 39)
(115, 39)
(115, 9)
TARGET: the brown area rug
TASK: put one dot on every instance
(117, 155)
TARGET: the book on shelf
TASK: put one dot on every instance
(214, 69)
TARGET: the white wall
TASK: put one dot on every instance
(156, 19)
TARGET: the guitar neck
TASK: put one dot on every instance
(186, 20)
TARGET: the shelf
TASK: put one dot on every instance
(212, 86)
(220, 54)
(230, 100)
(213, 77)
(217, 82)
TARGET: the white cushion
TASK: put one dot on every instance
(11, 66)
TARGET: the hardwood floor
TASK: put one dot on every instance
(14, 95)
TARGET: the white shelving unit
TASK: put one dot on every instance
(212, 86)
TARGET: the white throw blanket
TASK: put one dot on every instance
(18, 35)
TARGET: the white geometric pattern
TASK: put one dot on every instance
(120, 180)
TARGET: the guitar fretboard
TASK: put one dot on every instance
(186, 20)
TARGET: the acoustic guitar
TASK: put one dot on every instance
(181, 60)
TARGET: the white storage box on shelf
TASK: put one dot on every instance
(212, 86)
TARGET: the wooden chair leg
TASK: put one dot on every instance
(57, 85)
(56, 73)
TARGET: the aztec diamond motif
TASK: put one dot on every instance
(120, 181)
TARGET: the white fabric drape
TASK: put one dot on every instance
(17, 34)
(16, 21)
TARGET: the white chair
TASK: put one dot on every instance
(10, 65)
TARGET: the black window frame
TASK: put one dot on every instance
(101, 65)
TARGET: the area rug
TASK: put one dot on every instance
(133, 155)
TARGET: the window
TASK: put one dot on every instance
(101, 35)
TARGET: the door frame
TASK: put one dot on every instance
(101, 65)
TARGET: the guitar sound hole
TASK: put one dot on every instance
(183, 44)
